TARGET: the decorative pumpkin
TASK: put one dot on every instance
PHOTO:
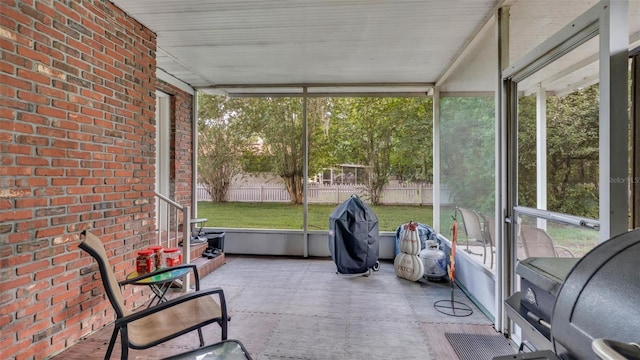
(410, 241)
(408, 267)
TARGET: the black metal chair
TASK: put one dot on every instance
(149, 327)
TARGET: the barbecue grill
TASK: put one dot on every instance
(593, 298)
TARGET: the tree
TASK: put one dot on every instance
(277, 124)
(220, 146)
(573, 157)
(468, 151)
(412, 150)
(390, 136)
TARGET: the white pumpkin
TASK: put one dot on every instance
(408, 267)
(410, 241)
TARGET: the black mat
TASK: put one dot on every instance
(479, 347)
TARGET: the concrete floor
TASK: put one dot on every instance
(300, 309)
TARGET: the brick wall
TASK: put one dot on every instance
(77, 135)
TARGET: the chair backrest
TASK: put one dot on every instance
(489, 229)
(536, 242)
(93, 245)
(471, 224)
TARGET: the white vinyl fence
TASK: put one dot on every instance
(407, 194)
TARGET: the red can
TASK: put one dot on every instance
(157, 256)
(144, 262)
(172, 257)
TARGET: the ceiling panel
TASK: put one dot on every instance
(256, 42)
(221, 43)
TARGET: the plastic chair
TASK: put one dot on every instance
(157, 324)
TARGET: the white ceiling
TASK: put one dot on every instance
(339, 46)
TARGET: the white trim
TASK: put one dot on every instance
(194, 154)
(162, 162)
(568, 38)
(541, 152)
(170, 79)
(436, 159)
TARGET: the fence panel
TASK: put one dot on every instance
(405, 194)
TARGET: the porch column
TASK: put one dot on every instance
(305, 173)
(504, 268)
(614, 157)
(436, 159)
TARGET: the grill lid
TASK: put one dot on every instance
(546, 273)
(599, 298)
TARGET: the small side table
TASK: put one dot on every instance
(227, 349)
(158, 283)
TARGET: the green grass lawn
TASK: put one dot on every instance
(287, 216)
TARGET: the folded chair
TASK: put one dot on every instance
(149, 327)
(538, 243)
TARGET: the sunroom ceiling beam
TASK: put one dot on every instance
(322, 90)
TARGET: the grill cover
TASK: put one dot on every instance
(600, 298)
(353, 237)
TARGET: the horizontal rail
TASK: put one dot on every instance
(559, 217)
(173, 203)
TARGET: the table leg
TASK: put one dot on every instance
(159, 292)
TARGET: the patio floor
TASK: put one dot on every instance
(294, 308)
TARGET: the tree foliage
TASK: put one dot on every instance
(467, 137)
(391, 136)
(220, 145)
(572, 152)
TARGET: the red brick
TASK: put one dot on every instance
(31, 268)
(16, 215)
(31, 309)
(31, 161)
(15, 260)
(66, 200)
(49, 171)
(32, 202)
(34, 76)
(32, 289)
(50, 292)
(34, 119)
(31, 182)
(53, 112)
(52, 231)
(64, 124)
(15, 82)
(16, 305)
(68, 295)
(50, 152)
(49, 272)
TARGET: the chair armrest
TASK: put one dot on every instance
(162, 271)
(175, 301)
(563, 248)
